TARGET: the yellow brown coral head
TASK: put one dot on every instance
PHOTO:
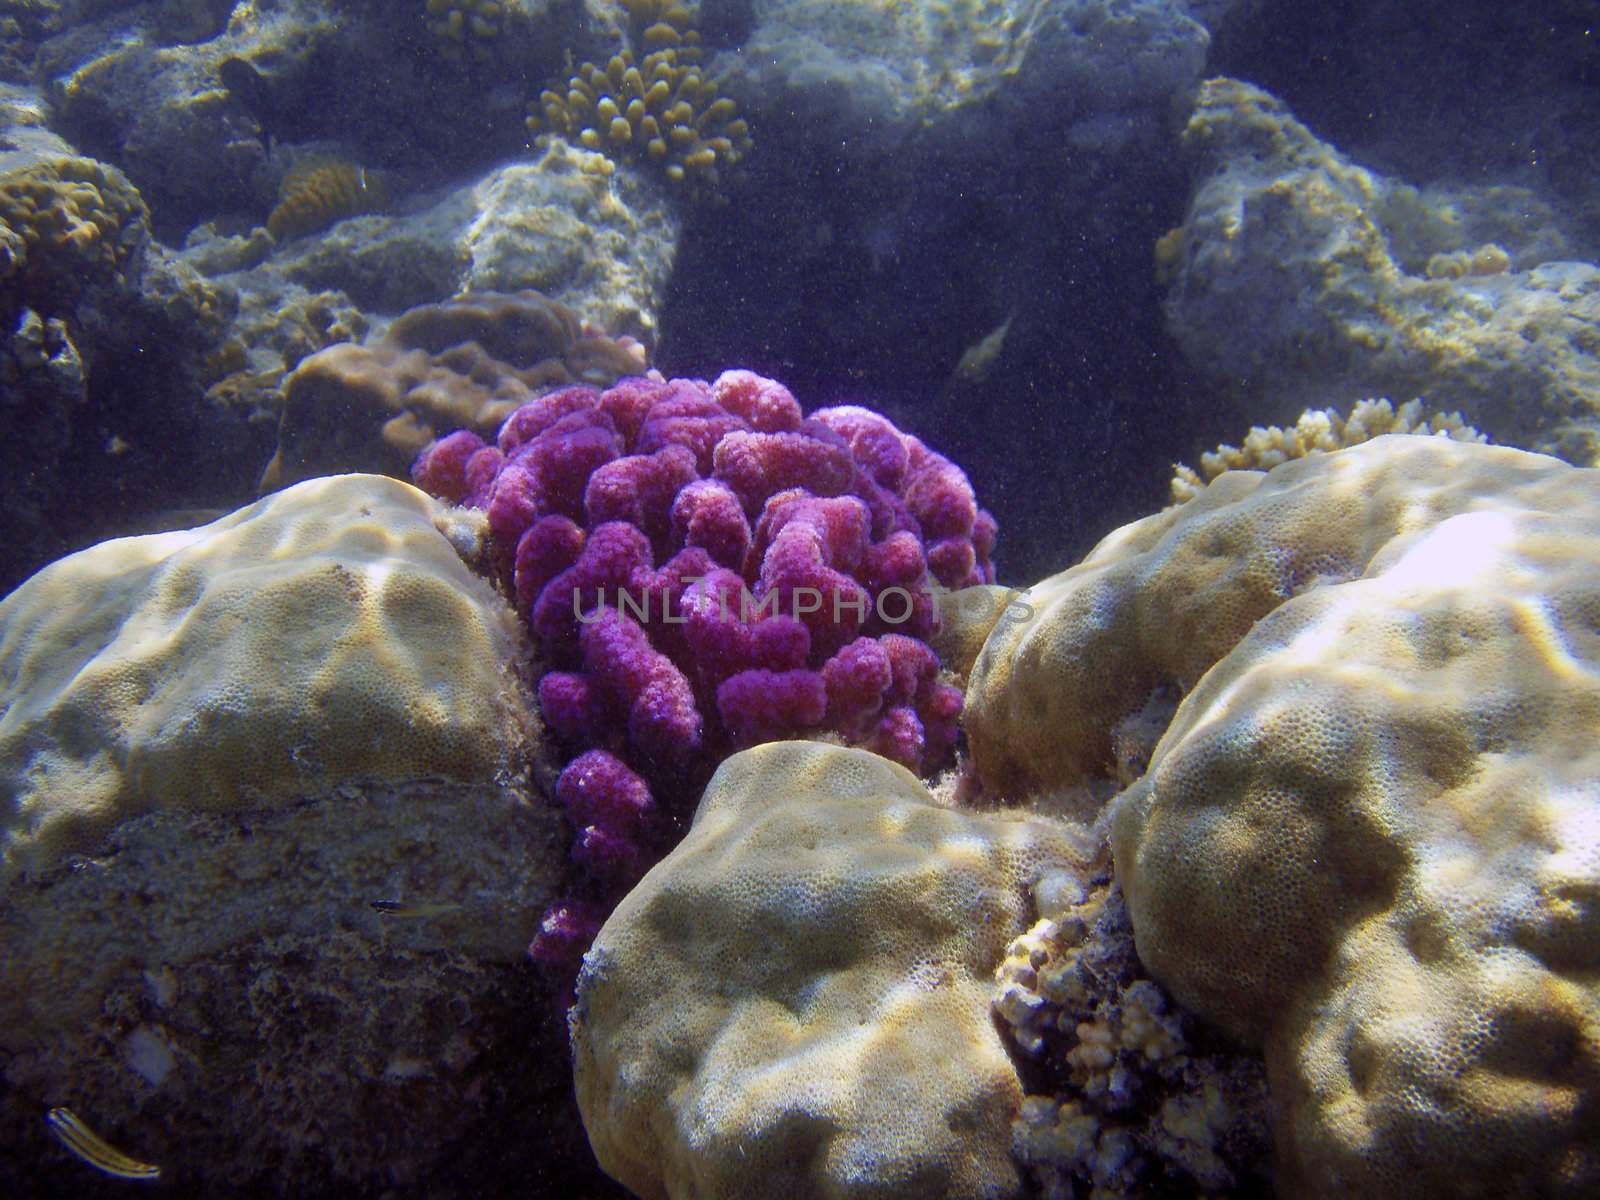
(67, 220)
(661, 110)
(466, 27)
(318, 193)
(657, 24)
(1488, 259)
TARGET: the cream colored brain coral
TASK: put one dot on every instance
(1367, 840)
(795, 1002)
(326, 633)
(1371, 840)
(1158, 602)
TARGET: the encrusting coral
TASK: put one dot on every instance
(1318, 431)
(658, 109)
(462, 364)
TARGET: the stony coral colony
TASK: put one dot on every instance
(661, 109)
(703, 567)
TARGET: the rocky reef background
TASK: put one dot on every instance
(1065, 243)
(922, 178)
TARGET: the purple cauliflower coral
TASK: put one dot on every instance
(704, 567)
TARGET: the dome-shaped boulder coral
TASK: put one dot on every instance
(1365, 841)
(268, 844)
(796, 1001)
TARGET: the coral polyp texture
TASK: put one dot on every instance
(263, 808)
(1365, 841)
(464, 363)
(201, 656)
(67, 221)
(704, 568)
(795, 1001)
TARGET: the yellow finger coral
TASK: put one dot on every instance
(1318, 431)
(318, 193)
(661, 109)
(466, 27)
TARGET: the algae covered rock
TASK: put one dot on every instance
(1301, 274)
(270, 853)
(796, 1000)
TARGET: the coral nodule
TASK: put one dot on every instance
(464, 363)
(66, 220)
(466, 27)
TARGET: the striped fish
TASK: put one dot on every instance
(88, 1145)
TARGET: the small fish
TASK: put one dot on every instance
(427, 908)
(979, 357)
(88, 1145)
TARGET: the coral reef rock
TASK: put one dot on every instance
(73, 238)
(465, 364)
(796, 1001)
(268, 842)
(604, 246)
(884, 72)
(1132, 1104)
(1303, 275)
